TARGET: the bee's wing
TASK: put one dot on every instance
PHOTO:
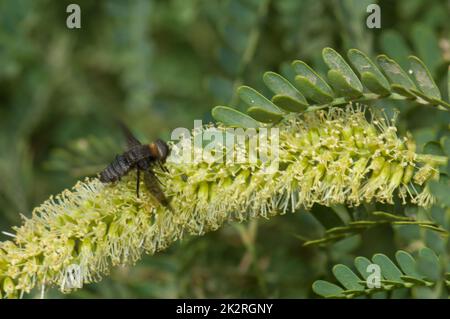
(154, 186)
(132, 141)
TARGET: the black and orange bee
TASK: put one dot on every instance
(142, 157)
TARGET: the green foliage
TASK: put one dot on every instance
(424, 272)
(371, 219)
(347, 87)
(158, 65)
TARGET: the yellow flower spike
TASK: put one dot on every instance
(328, 157)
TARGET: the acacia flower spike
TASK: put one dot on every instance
(326, 157)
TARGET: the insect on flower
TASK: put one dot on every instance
(142, 157)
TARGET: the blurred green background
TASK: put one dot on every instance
(161, 64)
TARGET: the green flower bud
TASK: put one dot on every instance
(347, 133)
(397, 174)
(359, 137)
(9, 287)
(377, 165)
(202, 193)
(409, 172)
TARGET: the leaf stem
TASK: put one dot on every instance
(366, 97)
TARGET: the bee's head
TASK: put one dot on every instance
(160, 150)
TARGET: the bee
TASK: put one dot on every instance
(142, 157)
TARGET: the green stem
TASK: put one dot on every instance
(366, 97)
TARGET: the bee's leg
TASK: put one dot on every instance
(163, 168)
(137, 182)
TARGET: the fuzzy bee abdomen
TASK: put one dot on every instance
(114, 171)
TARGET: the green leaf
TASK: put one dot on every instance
(311, 84)
(347, 277)
(287, 96)
(361, 264)
(338, 65)
(433, 148)
(441, 190)
(395, 280)
(423, 78)
(426, 45)
(233, 117)
(388, 269)
(327, 289)
(425, 97)
(255, 99)
(407, 263)
(445, 144)
(341, 211)
(289, 104)
(395, 73)
(347, 245)
(371, 76)
(428, 264)
(397, 88)
(395, 46)
(373, 84)
(263, 115)
(312, 91)
(434, 241)
(342, 86)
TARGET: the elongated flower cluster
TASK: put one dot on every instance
(325, 157)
